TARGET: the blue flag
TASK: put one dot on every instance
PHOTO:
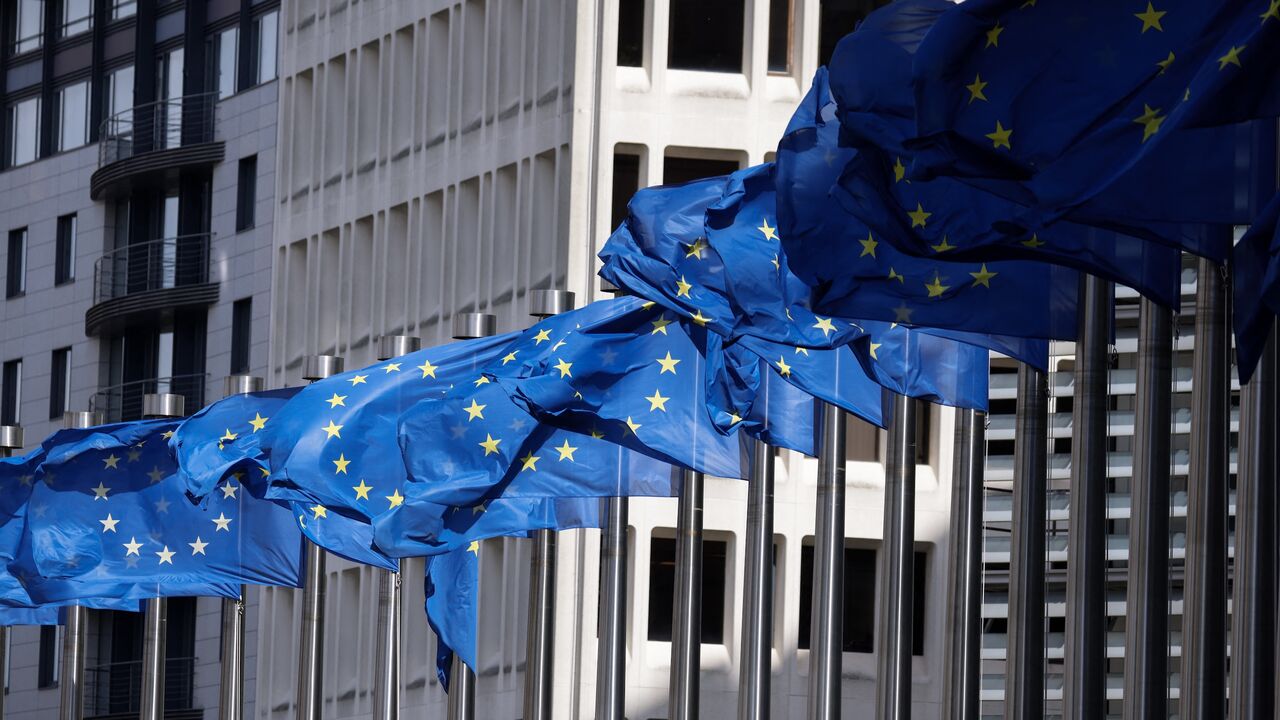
(109, 517)
(46, 615)
(1256, 288)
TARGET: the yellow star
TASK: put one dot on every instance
(482, 380)
(337, 400)
(701, 319)
(167, 434)
(478, 509)
(1034, 242)
(783, 368)
(428, 370)
(1231, 58)
(341, 464)
(395, 498)
(358, 380)
(390, 368)
(566, 451)
(490, 445)
(695, 250)
(825, 325)
(1151, 18)
(1272, 12)
(919, 216)
(362, 490)
(258, 422)
(993, 35)
(633, 426)
(228, 436)
(660, 326)
(596, 434)
(557, 346)
(769, 233)
(111, 462)
(936, 288)
(657, 402)
(682, 287)
(563, 367)
(776, 265)
(1164, 64)
(543, 335)
(893, 275)
(1150, 121)
(319, 511)
(334, 431)
(868, 246)
(943, 246)
(476, 410)
(1000, 137)
(529, 462)
(509, 357)
(982, 277)
(1027, 4)
(668, 364)
(802, 351)
(899, 170)
(874, 347)
(734, 419)
(975, 89)
(474, 547)
(902, 314)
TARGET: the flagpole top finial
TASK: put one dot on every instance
(547, 302)
(163, 405)
(82, 418)
(319, 367)
(242, 385)
(10, 437)
(470, 325)
(390, 346)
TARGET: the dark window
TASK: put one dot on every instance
(246, 192)
(241, 331)
(681, 170)
(626, 181)
(631, 33)
(59, 383)
(77, 17)
(706, 35)
(917, 605)
(924, 413)
(10, 392)
(24, 131)
(16, 264)
(72, 116)
(123, 8)
(224, 62)
(859, 598)
(662, 586)
(264, 56)
(64, 264)
(50, 652)
(779, 36)
(26, 25)
(837, 18)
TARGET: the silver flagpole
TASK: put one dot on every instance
(1025, 652)
(386, 669)
(540, 645)
(897, 559)
(686, 635)
(964, 606)
(10, 440)
(462, 693)
(826, 621)
(1084, 692)
(231, 684)
(155, 622)
(611, 667)
(1146, 677)
(1253, 663)
(1204, 619)
(74, 632)
(757, 603)
(310, 700)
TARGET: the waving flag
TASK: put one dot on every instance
(1256, 288)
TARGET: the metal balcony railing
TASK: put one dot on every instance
(158, 125)
(156, 265)
(116, 688)
(123, 402)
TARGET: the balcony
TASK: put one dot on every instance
(114, 691)
(149, 280)
(123, 402)
(149, 145)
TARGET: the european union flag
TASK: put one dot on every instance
(123, 526)
(1256, 288)
(45, 615)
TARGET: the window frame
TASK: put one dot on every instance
(246, 193)
(61, 116)
(11, 393)
(242, 336)
(59, 382)
(65, 242)
(11, 140)
(16, 45)
(15, 281)
(117, 5)
(65, 25)
(258, 67)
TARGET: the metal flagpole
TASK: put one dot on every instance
(686, 636)
(155, 622)
(76, 628)
(540, 644)
(1253, 663)
(1084, 691)
(964, 606)
(757, 603)
(1204, 619)
(231, 685)
(1024, 651)
(10, 440)
(386, 669)
(826, 621)
(1146, 677)
(897, 559)
(310, 699)
(611, 668)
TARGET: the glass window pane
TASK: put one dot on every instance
(24, 134)
(631, 33)
(706, 35)
(28, 26)
(267, 28)
(228, 55)
(77, 17)
(123, 8)
(65, 256)
(16, 263)
(11, 393)
(73, 116)
(779, 36)
(119, 91)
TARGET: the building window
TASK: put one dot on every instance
(123, 8)
(626, 181)
(50, 656)
(779, 36)
(246, 192)
(837, 18)
(64, 262)
(10, 392)
(28, 26)
(119, 101)
(24, 131)
(859, 615)
(265, 30)
(77, 17)
(706, 35)
(681, 169)
(16, 264)
(226, 56)
(924, 415)
(662, 586)
(861, 440)
(241, 335)
(73, 116)
(631, 33)
(59, 383)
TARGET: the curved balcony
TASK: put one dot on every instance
(123, 402)
(148, 280)
(148, 145)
